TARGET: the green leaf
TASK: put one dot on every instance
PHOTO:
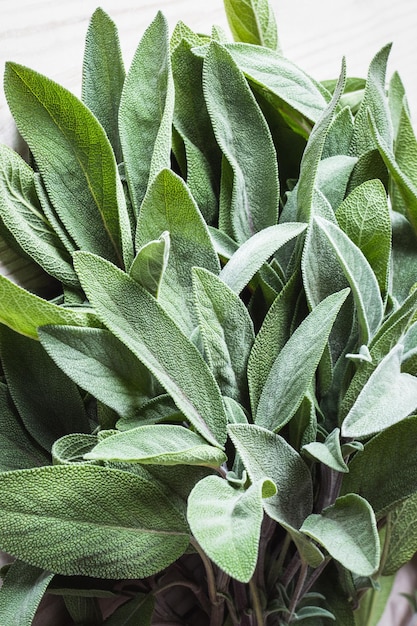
(100, 364)
(252, 254)
(364, 217)
(401, 535)
(333, 175)
(48, 402)
(259, 450)
(146, 110)
(371, 472)
(339, 134)
(159, 409)
(329, 453)
(136, 319)
(388, 396)
(405, 153)
(104, 75)
(75, 160)
(404, 260)
(62, 518)
(158, 445)
(22, 216)
(396, 100)
(135, 612)
(226, 521)
(71, 448)
(150, 263)
(241, 131)
(227, 332)
(22, 590)
(83, 609)
(169, 206)
(347, 530)
(296, 364)
(252, 21)
(373, 603)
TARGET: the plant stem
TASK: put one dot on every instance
(298, 590)
(386, 547)
(211, 581)
(256, 603)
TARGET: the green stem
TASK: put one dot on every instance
(298, 590)
(256, 603)
(386, 547)
(211, 581)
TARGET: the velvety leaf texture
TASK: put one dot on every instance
(21, 592)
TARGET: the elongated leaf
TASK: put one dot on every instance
(333, 175)
(83, 610)
(397, 100)
(251, 255)
(63, 518)
(347, 529)
(146, 110)
(364, 217)
(75, 159)
(18, 450)
(252, 21)
(360, 277)
(371, 472)
(104, 75)
(259, 450)
(292, 371)
(374, 602)
(21, 592)
(401, 534)
(48, 402)
(388, 397)
(136, 318)
(22, 215)
(329, 453)
(159, 409)
(227, 331)
(150, 263)
(339, 134)
(241, 130)
(100, 364)
(226, 522)
(168, 206)
(158, 445)
(135, 612)
(405, 152)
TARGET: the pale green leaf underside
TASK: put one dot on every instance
(21, 592)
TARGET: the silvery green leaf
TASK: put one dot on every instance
(241, 130)
(347, 530)
(363, 354)
(404, 260)
(235, 412)
(396, 100)
(21, 592)
(224, 245)
(333, 176)
(150, 263)
(329, 452)
(72, 448)
(158, 409)
(388, 396)
(340, 133)
(402, 535)
(252, 21)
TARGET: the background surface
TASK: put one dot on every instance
(48, 36)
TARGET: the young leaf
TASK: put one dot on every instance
(100, 364)
(388, 396)
(241, 130)
(169, 206)
(252, 254)
(158, 445)
(227, 332)
(71, 448)
(22, 590)
(329, 453)
(146, 110)
(62, 518)
(347, 529)
(135, 612)
(104, 75)
(292, 371)
(260, 450)
(397, 100)
(136, 319)
(150, 263)
(75, 159)
(226, 522)
(252, 21)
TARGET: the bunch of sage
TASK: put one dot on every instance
(214, 401)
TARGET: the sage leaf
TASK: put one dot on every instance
(375, 481)
(83, 610)
(333, 175)
(22, 590)
(226, 522)
(339, 134)
(72, 448)
(401, 535)
(169, 206)
(347, 530)
(104, 75)
(397, 99)
(49, 404)
(241, 129)
(252, 21)
(150, 263)
(260, 450)
(136, 319)
(158, 409)
(62, 518)
(388, 396)
(158, 445)
(329, 453)
(252, 254)
(100, 364)
(75, 160)
(146, 110)
(292, 371)
(374, 602)
(227, 332)
(135, 612)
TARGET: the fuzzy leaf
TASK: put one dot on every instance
(347, 529)
(226, 522)
(159, 409)
(135, 612)
(146, 110)
(158, 445)
(329, 453)
(241, 131)
(71, 448)
(252, 21)
(292, 371)
(401, 534)
(150, 263)
(63, 518)
(22, 590)
(100, 364)
(136, 319)
(75, 159)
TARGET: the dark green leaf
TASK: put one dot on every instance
(21, 593)
(252, 21)
(135, 612)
